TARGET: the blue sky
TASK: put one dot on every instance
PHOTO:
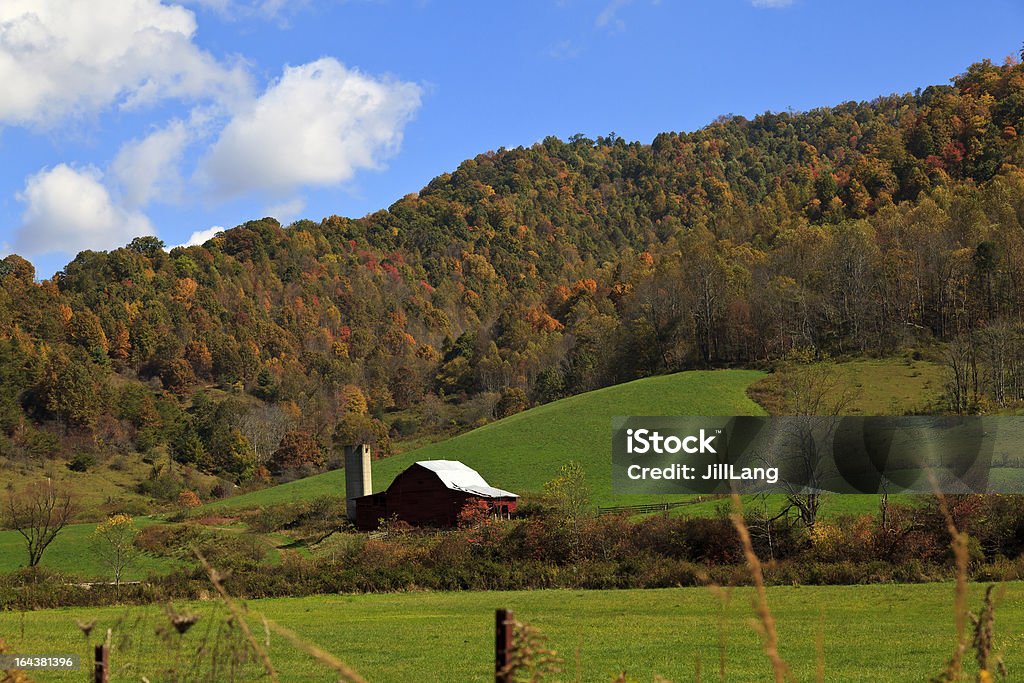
(126, 117)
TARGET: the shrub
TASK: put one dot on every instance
(162, 486)
(168, 540)
(81, 462)
(189, 499)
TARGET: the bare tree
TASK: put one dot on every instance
(815, 394)
(959, 361)
(264, 427)
(39, 513)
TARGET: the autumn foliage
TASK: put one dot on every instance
(528, 274)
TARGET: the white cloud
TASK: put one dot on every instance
(68, 210)
(564, 50)
(288, 211)
(200, 237)
(317, 125)
(264, 9)
(147, 169)
(67, 57)
(771, 4)
(223, 7)
(608, 18)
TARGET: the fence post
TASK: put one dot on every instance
(101, 670)
(503, 620)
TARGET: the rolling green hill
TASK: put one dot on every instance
(523, 451)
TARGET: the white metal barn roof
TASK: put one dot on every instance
(458, 477)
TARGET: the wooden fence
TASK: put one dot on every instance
(652, 507)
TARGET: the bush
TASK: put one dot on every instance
(81, 462)
(404, 426)
(321, 513)
(162, 486)
(234, 552)
(168, 540)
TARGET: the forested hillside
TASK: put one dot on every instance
(533, 273)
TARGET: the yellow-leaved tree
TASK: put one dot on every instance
(114, 545)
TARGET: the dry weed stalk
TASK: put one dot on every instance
(12, 675)
(954, 666)
(529, 659)
(764, 613)
(346, 672)
(239, 616)
(984, 628)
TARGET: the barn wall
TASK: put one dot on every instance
(369, 510)
(418, 497)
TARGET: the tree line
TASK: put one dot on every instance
(533, 273)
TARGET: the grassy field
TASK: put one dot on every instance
(877, 633)
(522, 452)
(71, 552)
(102, 487)
(892, 386)
(886, 386)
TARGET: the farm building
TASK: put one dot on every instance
(431, 493)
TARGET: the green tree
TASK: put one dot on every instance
(187, 447)
(147, 246)
(72, 390)
(569, 494)
(232, 454)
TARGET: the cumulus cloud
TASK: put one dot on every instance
(286, 212)
(771, 4)
(68, 210)
(65, 57)
(317, 125)
(148, 169)
(200, 237)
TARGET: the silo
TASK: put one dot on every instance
(358, 477)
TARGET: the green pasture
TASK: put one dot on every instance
(72, 552)
(522, 452)
(876, 633)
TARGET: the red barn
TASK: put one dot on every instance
(432, 493)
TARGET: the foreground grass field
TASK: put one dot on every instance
(876, 633)
(522, 452)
